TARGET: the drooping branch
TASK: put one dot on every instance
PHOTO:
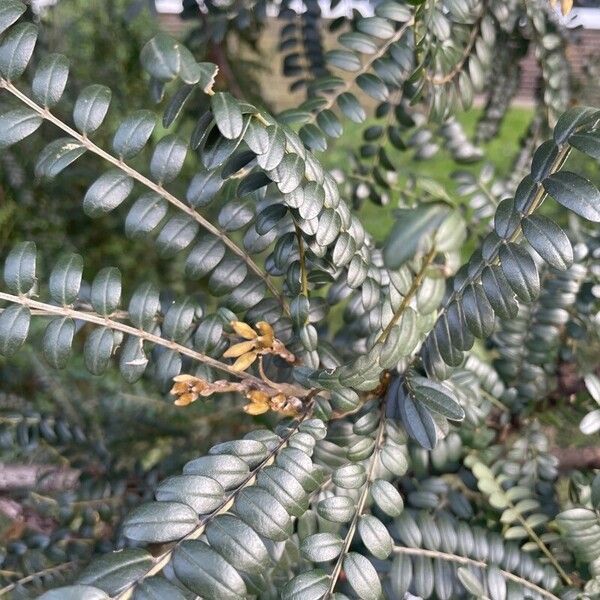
(52, 310)
(148, 183)
(463, 560)
(163, 559)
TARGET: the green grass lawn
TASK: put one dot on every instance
(500, 151)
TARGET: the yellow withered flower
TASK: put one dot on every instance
(256, 342)
(243, 330)
(187, 388)
(259, 403)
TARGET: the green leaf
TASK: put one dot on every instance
(17, 124)
(499, 292)
(133, 133)
(288, 173)
(10, 11)
(373, 86)
(285, 488)
(50, 80)
(228, 115)
(14, 328)
(57, 156)
(590, 423)
(19, 268)
(298, 464)
(16, 50)
(575, 193)
(351, 107)
(572, 119)
(205, 256)
(58, 341)
(362, 577)
(321, 547)
(164, 58)
(144, 305)
(520, 271)
(411, 227)
(378, 27)
(168, 158)
(477, 310)
(313, 138)
(207, 573)
(107, 193)
(393, 10)
(311, 585)
(375, 536)
(350, 477)
(238, 543)
(344, 60)
(338, 509)
(437, 398)
(418, 421)
(115, 571)
(176, 104)
(548, 240)
(230, 471)
(98, 349)
(157, 588)
(588, 143)
(273, 155)
(132, 360)
(91, 108)
(203, 188)
(176, 235)
(74, 592)
(227, 275)
(358, 42)
(387, 497)
(106, 291)
(145, 215)
(329, 123)
(264, 514)
(178, 320)
(470, 581)
(592, 384)
(158, 522)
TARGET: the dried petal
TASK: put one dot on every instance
(257, 396)
(184, 378)
(186, 399)
(244, 361)
(243, 330)
(265, 329)
(256, 408)
(239, 349)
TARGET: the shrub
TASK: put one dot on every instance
(399, 450)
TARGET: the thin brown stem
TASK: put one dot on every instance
(360, 506)
(148, 183)
(303, 273)
(24, 580)
(65, 311)
(416, 283)
(463, 560)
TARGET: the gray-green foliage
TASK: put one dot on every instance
(388, 470)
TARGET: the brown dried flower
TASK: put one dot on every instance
(257, 342)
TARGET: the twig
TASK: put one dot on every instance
(155, 187)
(360, 506)
(163, 559)
(463, 560)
